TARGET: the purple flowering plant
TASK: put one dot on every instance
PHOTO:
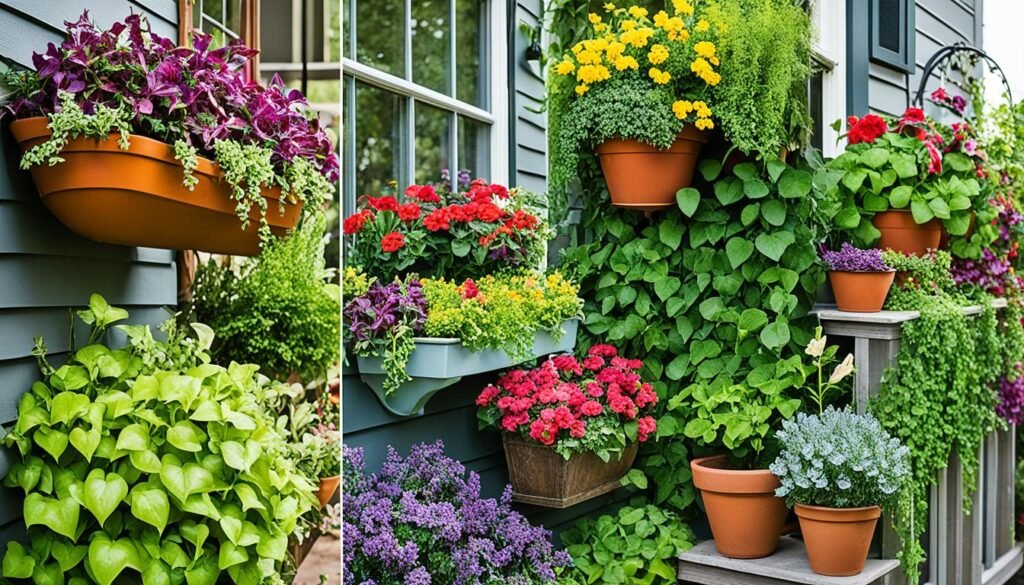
(422, 521)
(1011, 398)
(851, 259)
(196, 98)
(994, 271)
(382, 322)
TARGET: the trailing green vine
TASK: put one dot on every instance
(71, 122)
(940, 397)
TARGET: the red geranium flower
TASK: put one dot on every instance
(386, 203)
(354, 223)
(392, 242)
(488, 212)
(438, 220)
(912, 116)
(424, 193)
(865, 129)
(409, 212)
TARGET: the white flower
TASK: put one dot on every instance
(816, 346)
(842, 370)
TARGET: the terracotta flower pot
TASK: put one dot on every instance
(135, 197)
(861, 292)
(645, 178)
(328, 485)
(837, 538)
(745, 515)
(542, 477)
(901, 233)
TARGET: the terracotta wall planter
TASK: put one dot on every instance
(135, 197)
(542, 477)
(861, 292)
(328, 485)
(745, 515)
(837, 538)
(645, 178)
(901, 233)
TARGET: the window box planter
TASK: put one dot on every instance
(542, 477)
(135, 197)
(438, 363)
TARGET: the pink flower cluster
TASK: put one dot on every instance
(559, 398)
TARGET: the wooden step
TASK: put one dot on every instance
(704, 566)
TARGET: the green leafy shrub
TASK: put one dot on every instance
(279, 309)
(149, 463)
(639, 544)
(765, 48)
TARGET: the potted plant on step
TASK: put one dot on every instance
(839, 469)
(571, 426)
(737, 488)
(888, 187)
(132, 140)
(860, 278)
(637, 88)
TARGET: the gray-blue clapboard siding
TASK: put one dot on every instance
(451, 414)
(45, 269)
(938, 23)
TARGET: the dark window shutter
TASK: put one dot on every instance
(892, 33)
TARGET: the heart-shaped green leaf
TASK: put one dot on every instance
(173, 477)
(107, 558)
(52, 441)
(203, 572)
(85, 441)
(231, 555)
(145, 461)
(133, 437)
(688, 199)
(103, 493)
(17, 563)
(59, 515)
(247, 496)
(67, 406)
(67, 555)
(150, 505)
(185, 436)
(738, 250)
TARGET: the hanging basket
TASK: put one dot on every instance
(135, 197)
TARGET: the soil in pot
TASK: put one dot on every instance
(328, 485)
(901, 233)
(745, 515)
(837, 539)
(542, 477)
(646, 178)
(861, 292)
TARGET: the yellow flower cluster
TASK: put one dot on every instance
(657, 55)
(355, 283)
(638, 37)
(700, 110)
(673, 26)
(703, 69)
(659, 76)
(682, 7)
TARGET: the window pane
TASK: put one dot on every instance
(469, 51)
(378, 139)
(474, 157)
(431, 49)
(815, 97)
(433, 142)
(233, 16)
(380, 35)
(346, 18)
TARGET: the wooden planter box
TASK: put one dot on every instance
(542, 477)
(437, 363)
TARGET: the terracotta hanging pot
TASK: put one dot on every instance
(542, 477)
(328, 485)
(837, 539)
(645, 178)
(745, 515)
(901, 233)
(135, 197)
(861, 292)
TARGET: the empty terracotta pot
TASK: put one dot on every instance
(745, 515)
(901, 233)
(837, 539)
(542, 477)
(861, 292)
(328, 485)
(645, 178)
(135, 197)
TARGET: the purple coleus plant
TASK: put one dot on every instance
(421, 520)
(851, 259)
(1011, 398)
(198, 94)
(385, 308)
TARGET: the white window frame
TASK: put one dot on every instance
(829, 52)
(496, 91)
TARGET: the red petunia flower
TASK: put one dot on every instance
(392, 242)
(409, 212)
(912, 116)
(865, 129)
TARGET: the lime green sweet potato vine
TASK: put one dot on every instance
(147, 463)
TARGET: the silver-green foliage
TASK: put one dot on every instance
(71, 122)
(839, 459)
(146, 463)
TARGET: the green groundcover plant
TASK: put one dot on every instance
(147, 463)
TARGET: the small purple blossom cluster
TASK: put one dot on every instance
(385, 307)
(1011, 399)
(198, 94)
(851, 259)
(421, 520)
(994, 271)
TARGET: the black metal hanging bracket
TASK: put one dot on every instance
(948, 52)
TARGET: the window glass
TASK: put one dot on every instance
(232, 15)
(380, 35)
(473, 142)
(431, 45)
(346, 19)
(815, 97)
(469, 51)
(433, 142)
(377, 139)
